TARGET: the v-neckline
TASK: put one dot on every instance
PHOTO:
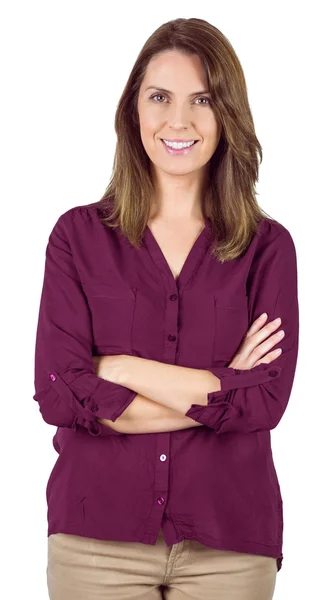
(194, 255)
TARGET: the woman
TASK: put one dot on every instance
(158, 352)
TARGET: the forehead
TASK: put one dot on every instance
(175, 71)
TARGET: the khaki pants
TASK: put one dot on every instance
(81, 568)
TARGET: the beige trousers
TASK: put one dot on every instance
(81, 568)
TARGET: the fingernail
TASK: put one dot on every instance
(264, 315)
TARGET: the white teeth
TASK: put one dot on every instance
(178, 145)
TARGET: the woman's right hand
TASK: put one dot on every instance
(255, 347)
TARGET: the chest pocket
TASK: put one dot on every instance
(112, 317)
(230, 326)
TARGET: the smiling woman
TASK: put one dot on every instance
(176, 108)
(147, 341)
(187, 84)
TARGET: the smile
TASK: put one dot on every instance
(178, 151)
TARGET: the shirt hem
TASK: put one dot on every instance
(247, 547)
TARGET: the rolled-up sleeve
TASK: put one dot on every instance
(67, 388)
(255, 399)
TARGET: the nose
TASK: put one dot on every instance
(179, 116)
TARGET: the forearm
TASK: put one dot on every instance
(173, 386)
(146, 416)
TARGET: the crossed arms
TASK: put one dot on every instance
(164, 393)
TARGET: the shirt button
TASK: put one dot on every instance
(273, 373)
(94, 428)
(94, 408)
(172, 338)
(52, 377)
(173, 297)
(161, 500)
(163, 457)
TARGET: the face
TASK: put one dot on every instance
(181, 113)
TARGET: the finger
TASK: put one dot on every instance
(267, 345)
(253, 346)
(261, 333)
(256, 325)
(270, 357)
(260, 325)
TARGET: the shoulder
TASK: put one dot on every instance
(82, 211)
(78, 217)
(274, 233)
(272, 247)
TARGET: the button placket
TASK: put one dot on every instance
(172, 337)
(171, 323)
(163, 442)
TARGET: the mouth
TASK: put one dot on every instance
(178, 151)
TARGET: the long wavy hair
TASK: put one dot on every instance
(230, 195)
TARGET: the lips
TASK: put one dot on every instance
(183, 141)
(178, 151)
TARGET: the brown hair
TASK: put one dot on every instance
(230, 197)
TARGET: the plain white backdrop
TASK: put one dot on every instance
(63, 67)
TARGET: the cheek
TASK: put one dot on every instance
(147, 138)
(150, 134)
(211, 136)
(208, 124)
(150, 120)
(150, 143)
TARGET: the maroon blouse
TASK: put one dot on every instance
(217, 483)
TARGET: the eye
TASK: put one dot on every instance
(204, 98)
(200, 98)
(156, 96)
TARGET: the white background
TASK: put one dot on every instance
(63, 68)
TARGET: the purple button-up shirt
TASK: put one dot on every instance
(217, 483)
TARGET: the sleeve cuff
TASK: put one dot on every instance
(220, 407)
(231, 379)
(214, 415)
(91, 397)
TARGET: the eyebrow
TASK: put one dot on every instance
(155, 87)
